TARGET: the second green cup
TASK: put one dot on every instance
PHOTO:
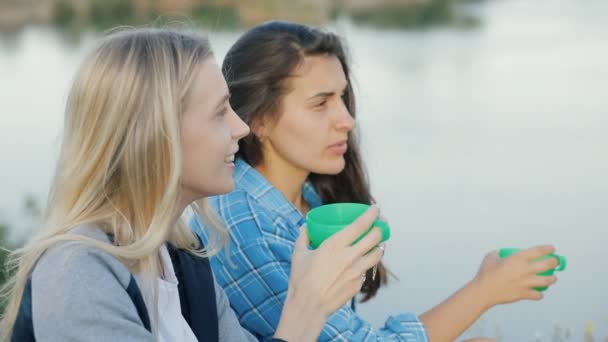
(326, 220)
(505, 252)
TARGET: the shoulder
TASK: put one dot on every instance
(235, 203)
(75, 283)
(247, 217)
(77, 261)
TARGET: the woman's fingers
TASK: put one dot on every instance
(350, 233)
(536, 252)
(533, 295)
(348, 285)
(360, 259)
(542, 281)
(365, 262)
(544, 265)
(369, 241)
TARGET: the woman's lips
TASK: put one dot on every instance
(339, 148)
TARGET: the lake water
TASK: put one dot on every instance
(475, 139)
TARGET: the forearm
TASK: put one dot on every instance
(448, 320)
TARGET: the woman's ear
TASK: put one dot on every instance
(259, 128)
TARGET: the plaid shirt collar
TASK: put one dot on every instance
(249, 180)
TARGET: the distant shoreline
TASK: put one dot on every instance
(102, 14)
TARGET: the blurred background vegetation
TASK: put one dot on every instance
(15, 236)
(226, 14)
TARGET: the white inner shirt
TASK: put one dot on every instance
(171, 326)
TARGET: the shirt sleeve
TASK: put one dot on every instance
(257, 281)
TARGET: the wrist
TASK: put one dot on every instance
(301, 319)
(484, 291)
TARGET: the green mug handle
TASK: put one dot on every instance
(562, 262)
(384, 229)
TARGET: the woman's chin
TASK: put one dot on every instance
(220, 188)
(228, 187)
(331, 168)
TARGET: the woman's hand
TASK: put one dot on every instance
(513, 279)
(325, 279)
(498, 281)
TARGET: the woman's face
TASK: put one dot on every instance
(210, 131)
(312, 128)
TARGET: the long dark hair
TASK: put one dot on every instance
(256, 69)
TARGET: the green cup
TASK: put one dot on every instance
(326, 220)
(505, 252)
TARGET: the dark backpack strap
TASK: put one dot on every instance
(138, 300)
(135, 294)
(196, 293)
(23, 329)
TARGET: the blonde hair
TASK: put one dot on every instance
(120, 161)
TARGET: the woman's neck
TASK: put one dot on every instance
(288, 179)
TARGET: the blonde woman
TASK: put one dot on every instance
(148, 131)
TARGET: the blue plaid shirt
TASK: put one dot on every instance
(263, 228)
